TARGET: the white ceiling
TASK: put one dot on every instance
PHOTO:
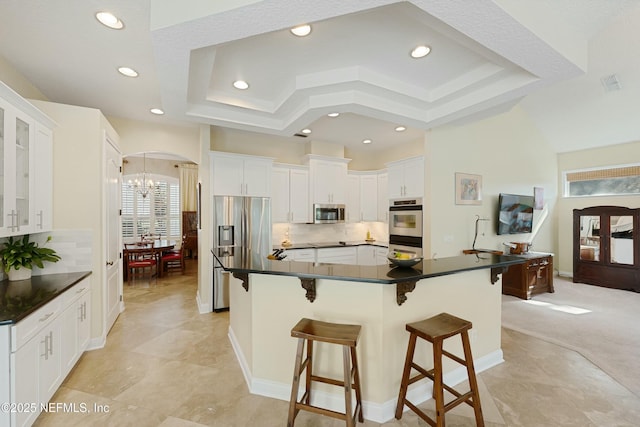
(549, 55)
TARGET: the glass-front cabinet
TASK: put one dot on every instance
(16, 153)
(606, 247)
(19, 179)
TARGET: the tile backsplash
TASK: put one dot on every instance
(319, 233)
(73, 246)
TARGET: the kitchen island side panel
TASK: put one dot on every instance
(278, 303)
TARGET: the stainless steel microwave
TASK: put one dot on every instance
(328, 214)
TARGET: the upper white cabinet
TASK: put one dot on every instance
(406, 178)
(23, 131)
(43, 180)
(327, 178)
(352, 207)
(383, 197)
(240, 175)
(369, 197)
(290, 194)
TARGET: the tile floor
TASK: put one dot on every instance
(167, 365)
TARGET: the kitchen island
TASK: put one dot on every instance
(268, 298)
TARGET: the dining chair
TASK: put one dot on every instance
(140, 259)
(173, 260)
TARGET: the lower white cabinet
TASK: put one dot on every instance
(43, 348)
(346, 255)
(304, 255)
(372, 255)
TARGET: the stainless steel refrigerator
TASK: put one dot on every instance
(239, 224)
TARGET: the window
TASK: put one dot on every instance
(612, 181)
(158, 213)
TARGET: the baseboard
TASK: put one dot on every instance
(376, 412)
(202, 307)
(97, 343)
(568, 274)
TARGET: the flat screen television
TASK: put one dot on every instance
(515, 214)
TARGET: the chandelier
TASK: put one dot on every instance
(142, 183)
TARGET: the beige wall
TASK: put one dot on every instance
(606, 156)
(16, 81)
(78, 183)
(511, 156)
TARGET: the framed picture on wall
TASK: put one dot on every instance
(468, 189)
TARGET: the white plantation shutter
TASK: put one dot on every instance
(158, 213)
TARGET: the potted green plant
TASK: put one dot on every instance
(20, 255)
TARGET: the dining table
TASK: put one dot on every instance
(156, 247)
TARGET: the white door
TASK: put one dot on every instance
(113, 262)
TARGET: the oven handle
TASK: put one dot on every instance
(405, 208)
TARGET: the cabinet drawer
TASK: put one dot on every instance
(26, 328)
(74, 293)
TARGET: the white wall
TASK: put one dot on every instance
(511, 156)
(584, 159)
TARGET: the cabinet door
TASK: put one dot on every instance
(299, 204)
(43, 180)
(395, 176)
(25, 366)
(338, 176)
(257, 178)
(322, 182)
(366, 255)
(49, 375)
(369, 197)
(8, 216)
(24, 137)
(414, 178)
(280, 201)
(69, 320)
(353, 198)
(383, 198)
(381, 256)
(84, 325)
(228, 176)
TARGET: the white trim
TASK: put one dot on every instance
(376, 412)
(202, 306)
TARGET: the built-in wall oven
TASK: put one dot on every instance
(405, 225)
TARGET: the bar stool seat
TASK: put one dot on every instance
(347, 336)
(435, 330)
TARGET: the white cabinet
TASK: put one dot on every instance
(42, 349)
(383, 197)
(362, 196)
(327, 178)
(19, 120)
(43, 180)
(369, 197)
(406, 178)
(240, 175)
(347, 255)
(352, 207)
(372, 255)
(290, 194)
(303, 255)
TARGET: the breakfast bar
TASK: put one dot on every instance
(268, 298)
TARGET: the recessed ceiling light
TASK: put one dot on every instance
(400, 128)
(241, 84)
(157, 111)
(420, 51)
(306, 131)
(301, 30)
(333, 114)
(129, 72)
(109, 20)
(366, 141)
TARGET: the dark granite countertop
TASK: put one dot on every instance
(310, 245)
(243, 261)
(20, 298)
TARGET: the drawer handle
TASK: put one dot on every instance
(46, 316)
(79, 291)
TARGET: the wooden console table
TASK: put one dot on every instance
(535, 276)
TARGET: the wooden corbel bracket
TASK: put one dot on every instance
(309, 285)
(402, 289)
(244, 277)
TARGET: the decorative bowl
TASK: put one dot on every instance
(400, 262)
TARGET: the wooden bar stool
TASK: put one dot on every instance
(345, 335)
(435, 330)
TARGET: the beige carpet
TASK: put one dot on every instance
(600, 323)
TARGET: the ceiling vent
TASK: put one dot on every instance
(301, 135)
(611, 83)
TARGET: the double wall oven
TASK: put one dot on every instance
(405, 225)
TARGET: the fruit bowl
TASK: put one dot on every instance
(406, 260)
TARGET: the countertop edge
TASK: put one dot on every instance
(72, 282)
